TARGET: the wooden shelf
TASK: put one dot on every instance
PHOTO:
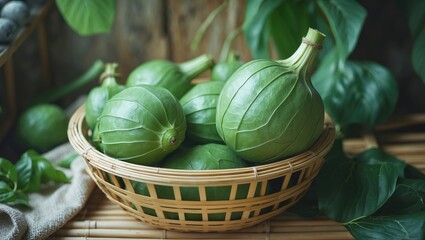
(37, 16)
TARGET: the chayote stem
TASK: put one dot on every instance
(204, 26)
(306, 52)
(196, 66)
(110, 76)
(225, 50)
(59, 92)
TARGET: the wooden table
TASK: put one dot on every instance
(403, 137)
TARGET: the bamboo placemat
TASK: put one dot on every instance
(101, 219)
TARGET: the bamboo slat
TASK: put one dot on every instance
(101, 219)
(283, 226)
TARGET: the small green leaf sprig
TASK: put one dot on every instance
(27, 176)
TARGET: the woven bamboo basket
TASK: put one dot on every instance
(289, 179)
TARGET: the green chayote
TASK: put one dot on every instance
(268, 110)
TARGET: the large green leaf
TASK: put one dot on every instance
(408, 227)
(350, 188)
(307, 206)
(416, 17)
(412, 172)
(88, 17)
(409, 197)
(418, 55)
(288, 23)
(418, 30)
(255, 26)
(345, 19)
(355, 92)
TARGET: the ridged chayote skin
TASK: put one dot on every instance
(207, 157)
(98, 96)
(268, 110)
(172, 76)
(223, 70)
(199, 105)
(141, 125)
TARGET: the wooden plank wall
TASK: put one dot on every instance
(143, 30)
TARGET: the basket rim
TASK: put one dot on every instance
(101, 161)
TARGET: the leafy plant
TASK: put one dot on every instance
(30, 172)
(345, 85)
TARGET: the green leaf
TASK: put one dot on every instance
(307, 206)
(24, 170)
(355, 92)
(412, 172)
(8, 173)
(7, 194)
(416, 15)
(345, 19)
(408, 226)
(88, 17)
(349, 188)
(29, 158)
(418, 55)
(288, 23)
(34, 169)
(50, 173)
(408, 198)
(320, 22)
(35, 181)
(255, 26)
(68, 160)
(21, 199)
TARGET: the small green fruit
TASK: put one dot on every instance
(43, 127)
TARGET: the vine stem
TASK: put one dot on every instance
(224, 53)
(204, 26)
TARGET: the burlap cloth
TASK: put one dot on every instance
(54, 205)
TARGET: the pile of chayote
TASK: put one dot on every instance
(264, 111)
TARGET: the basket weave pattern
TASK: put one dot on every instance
(269, 189)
